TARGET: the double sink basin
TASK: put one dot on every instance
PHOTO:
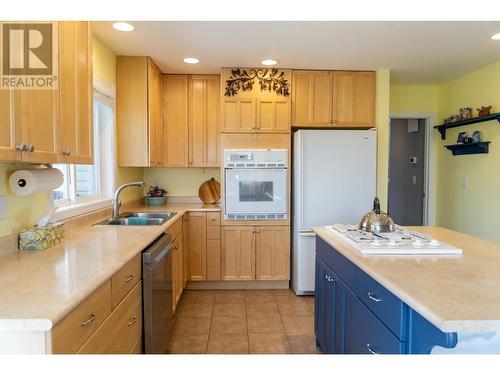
(139, 218)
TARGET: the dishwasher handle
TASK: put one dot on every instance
(157, 251)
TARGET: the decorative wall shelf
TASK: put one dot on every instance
(442, 128)
(469, 148)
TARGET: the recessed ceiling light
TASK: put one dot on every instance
(123, 26)
(269, 62)
(191, 60)
(496, 36)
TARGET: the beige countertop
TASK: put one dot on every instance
(456, 294)
(39, 288)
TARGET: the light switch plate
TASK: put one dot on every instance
(3, 207)
(465, 182)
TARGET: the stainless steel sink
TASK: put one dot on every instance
(154, 215)
(147, 218)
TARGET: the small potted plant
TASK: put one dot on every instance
(156, 196)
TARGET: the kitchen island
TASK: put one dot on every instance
(408, 304)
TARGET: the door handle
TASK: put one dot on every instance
(129, 279)
(370, 349)
(132, 321)
(373, 297)
(89, 320)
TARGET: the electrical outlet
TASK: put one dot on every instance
(3, 208)
(465, 182)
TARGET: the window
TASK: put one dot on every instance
(91, 185)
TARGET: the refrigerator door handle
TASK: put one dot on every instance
(308, 233)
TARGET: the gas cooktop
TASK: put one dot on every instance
(400, 242)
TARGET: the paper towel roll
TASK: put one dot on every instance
(24, 182)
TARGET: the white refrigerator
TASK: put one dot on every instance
(334, 181)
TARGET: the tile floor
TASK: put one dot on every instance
(244, 321)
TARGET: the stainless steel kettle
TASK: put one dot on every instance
(376, 221)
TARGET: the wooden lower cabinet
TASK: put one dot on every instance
(255, 253)
(71, 332)
(272, 253)
(238, 253)
(185, 252)
(122, 330)
(125, 279)
(197, 246)
(109, 321)
(177, 270)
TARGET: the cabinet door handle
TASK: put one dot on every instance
(129, 279)
(31, 148)
(89, 320)
(212, 219)
(328, 278)
(22, 147)
(373, 297)
(370, 349)
(66, 152)
(132, 321)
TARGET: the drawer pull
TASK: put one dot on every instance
(129, 279)
(371, 296)
(212, 219)
(370, 349)
(89, 320)
(329, 278)
(132, 321)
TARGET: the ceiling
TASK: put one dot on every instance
(416, 52)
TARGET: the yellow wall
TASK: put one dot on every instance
(382, 121)
(414, 99)
(104, 61)
(472, 210)
(180, 182)
(22, 212)
(475, 209)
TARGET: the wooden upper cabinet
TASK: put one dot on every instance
(175, 120)
(326, 99)
(155, 115)
(239, 115)
(312, 98)
(9, 136)
(138, 112)
(204, 119)
(256, 110)
(48, 126)
(273, 253)
(273, 116)
(75, 135)
(354, 98)
(237, 253)
(36, 116)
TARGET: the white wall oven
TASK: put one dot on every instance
(255, 184)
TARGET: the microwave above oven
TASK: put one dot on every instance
(255, 184)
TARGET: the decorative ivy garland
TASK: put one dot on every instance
(269, 80)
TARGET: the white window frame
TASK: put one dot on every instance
(104, 92)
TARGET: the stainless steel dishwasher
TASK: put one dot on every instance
(157, 294)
